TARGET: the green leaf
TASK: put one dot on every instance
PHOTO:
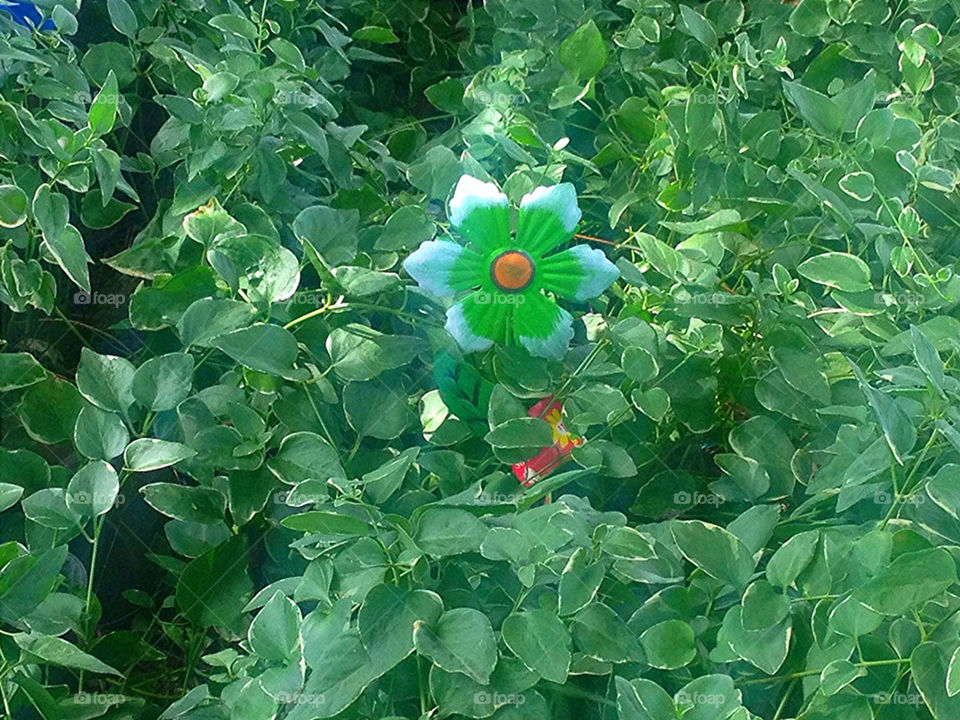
(184, 502)
(381, 483)
(375, 409)
(98, 434)
(27, 580)
(449, 531)
(908, 582)
(526, 432)
(944, 489)
(306, 456)
(236, 24)
(584, 51)
(628, 544)
(928, 359)
(838, 675)
(19, 370)
(213, 589)
(720, 220)
(216, 88)
(331, 233)
(208, 318)
(643, 699)
(68, 250)
(148, 454)
(123, 18)
(579, 582)
(695, 24)
(436, 172)
(61, 653)
(256, 264)
(93, 490)
(837, 270)
(374, 34)
(311, 132)
(953, 674)
(387, 619)
(792, 558)
(714, 550)
(263, 347)
(48, 507)
(462, 641)
(541, 641)
(106, 380)
(10, 494)
(275, 631)
(406, 228)
(361, 353)
(819, 111)
(810, 19)
(898, 429)
(161, 383)
(13, 206)
(929, 666)
(765, 649)
(858, 185)
(669, 644)
(763, 606)
(49, 410)
(327, 523)
(602, 634)
(103, 109)
(446, 95)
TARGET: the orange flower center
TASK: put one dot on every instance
(512, 271)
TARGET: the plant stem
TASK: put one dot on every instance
(87, 629)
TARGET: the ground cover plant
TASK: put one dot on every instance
(246, 471)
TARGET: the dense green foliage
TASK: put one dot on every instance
(229, 487)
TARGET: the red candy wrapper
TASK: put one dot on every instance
(552, 456)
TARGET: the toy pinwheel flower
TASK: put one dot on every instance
(507, 276)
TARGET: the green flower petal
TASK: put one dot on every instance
(578, 274)
(476, 322)
(542, 327)
(548, 216)
(479, 212)
(445, 268)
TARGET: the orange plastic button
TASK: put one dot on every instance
(512, 271)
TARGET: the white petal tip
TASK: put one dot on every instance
(457, 326)
(554, 346)
(560, 199)
(471, 194)
(430, 266)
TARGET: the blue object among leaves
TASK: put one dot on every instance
(26, 14)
